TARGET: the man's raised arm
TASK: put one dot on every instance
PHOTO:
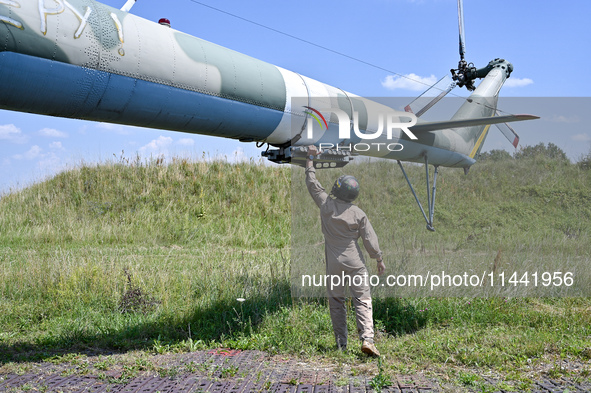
(314, 187)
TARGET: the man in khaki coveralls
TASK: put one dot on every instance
(342, 224)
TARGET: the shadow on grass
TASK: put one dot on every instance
(225, 321)
(222, 319)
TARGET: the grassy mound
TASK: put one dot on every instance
(191, 255)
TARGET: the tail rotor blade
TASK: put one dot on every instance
(509, 132)
(431, 96)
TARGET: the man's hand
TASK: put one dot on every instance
(381, 267)
(312, 150)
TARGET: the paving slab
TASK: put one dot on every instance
(225, 371)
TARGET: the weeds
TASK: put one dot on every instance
(104, 364)
(164, 372)
(134, 299)
(467, 378)
(159, 347)
(229, 372)
(380, 381)
(127, 374)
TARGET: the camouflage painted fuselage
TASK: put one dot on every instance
(82, 59)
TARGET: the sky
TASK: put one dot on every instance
(546, 41)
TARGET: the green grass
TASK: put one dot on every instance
(187, 239)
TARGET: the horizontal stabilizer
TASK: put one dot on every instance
(443, 125)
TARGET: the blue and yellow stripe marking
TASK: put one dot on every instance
(479, 141)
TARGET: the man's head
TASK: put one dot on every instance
(346, 188)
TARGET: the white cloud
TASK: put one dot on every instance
(411, 81)
(12, 133)
(186, 142)
(159, 145)
(50, 162)
(31, 154)
(56, 146)
(517, 82)
(581, 138)
(117, 128)
(52, 133)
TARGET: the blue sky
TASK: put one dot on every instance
(545, 40)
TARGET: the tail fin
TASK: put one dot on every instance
(481, 103)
